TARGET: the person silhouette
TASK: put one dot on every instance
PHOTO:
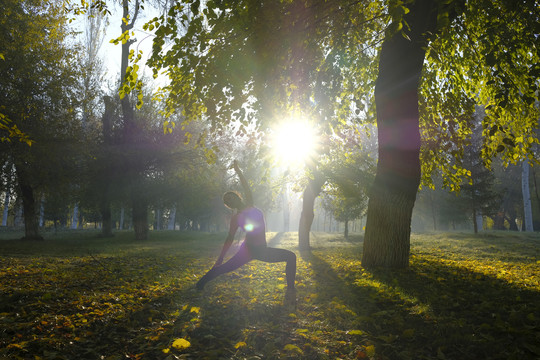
(254, 247)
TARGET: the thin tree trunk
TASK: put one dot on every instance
(6, 206)
(312, 190)
(286, 211)
(475, 225)
(121, 222)
(525, 190)
(140, 217)
(75, 216)
(106, 218)
(31, 221)
(388, 228)
(172, 219)
(433, 214)
(158, 219)
(105, 201)
(132, 133)
(479, 221)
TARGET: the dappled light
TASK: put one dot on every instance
(88, 298)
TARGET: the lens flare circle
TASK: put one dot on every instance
(293, 142)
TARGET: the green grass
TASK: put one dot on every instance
(76, 296)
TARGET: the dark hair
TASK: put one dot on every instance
(233, 193)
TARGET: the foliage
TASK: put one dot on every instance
(485, 53)
(38, 82)
(259, 62)
(10, 131)
(75, 296)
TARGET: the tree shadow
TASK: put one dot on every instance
(466, 314)
(432, 310)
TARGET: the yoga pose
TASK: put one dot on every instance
(251, 220)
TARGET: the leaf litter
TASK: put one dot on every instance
(462, 297)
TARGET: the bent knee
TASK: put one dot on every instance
(291, 256)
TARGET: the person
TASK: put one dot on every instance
(254, 247)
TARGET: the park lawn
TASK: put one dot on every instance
(76, 296)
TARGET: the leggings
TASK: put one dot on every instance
(246, 253)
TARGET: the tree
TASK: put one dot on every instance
(502, 74)
(526, 193)
(237, 61)
(253, 62)
(478, 193)
(394, 190)
(37, 93)
(344, 208)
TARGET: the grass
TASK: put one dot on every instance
(76, 296)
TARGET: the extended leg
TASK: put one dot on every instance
(242, 257)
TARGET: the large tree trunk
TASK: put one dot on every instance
(311, 192)
(388, 227)
(31, 221)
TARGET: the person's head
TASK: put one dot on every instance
(233, 200)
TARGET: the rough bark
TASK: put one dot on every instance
(388, 227)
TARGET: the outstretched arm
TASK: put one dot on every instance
(228, 241)
(247, 191)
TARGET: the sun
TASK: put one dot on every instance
(293, 142)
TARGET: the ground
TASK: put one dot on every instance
(76, 296)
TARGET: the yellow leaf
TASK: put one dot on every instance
(356, 332)
(293, 348)
(166, 351)
(240, 344)
(195, 309)
(181, 344)
(370, 350)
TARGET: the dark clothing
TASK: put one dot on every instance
(251, 220)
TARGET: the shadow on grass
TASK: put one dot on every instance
(431, 310)
(466, 314)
